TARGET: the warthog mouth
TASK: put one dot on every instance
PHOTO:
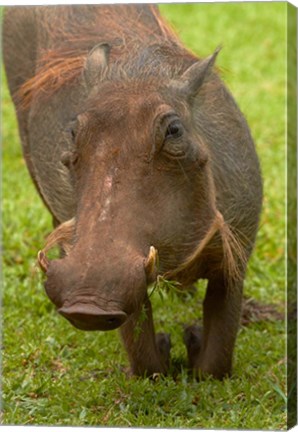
(90, 317)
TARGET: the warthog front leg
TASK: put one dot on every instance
(148, 353)
(210, 351)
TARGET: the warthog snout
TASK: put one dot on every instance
(90, 317)
(99, 294)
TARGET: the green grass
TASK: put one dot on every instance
(54, 374)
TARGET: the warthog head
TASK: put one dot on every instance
(144, 190)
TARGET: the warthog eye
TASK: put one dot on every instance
(174, 145)
(175, 129)
(171, 139)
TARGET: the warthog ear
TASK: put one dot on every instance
(193, 78)
(96, 64)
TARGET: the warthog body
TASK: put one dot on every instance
(146, 164)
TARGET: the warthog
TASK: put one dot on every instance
(148, 167)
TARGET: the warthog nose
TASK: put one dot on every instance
(90, 317)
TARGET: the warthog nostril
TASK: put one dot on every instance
(91, 317)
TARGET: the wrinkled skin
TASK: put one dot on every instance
(146, 153)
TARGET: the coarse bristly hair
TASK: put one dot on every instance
(62, 236)
(62, 63)
(234, 256)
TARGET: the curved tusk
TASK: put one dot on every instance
(43, 261)
(151, 263)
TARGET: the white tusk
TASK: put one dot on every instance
(43, 261)
(151, 262)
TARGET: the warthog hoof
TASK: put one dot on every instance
(163, 342)
(193, 340)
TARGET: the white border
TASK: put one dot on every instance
(59, 2)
